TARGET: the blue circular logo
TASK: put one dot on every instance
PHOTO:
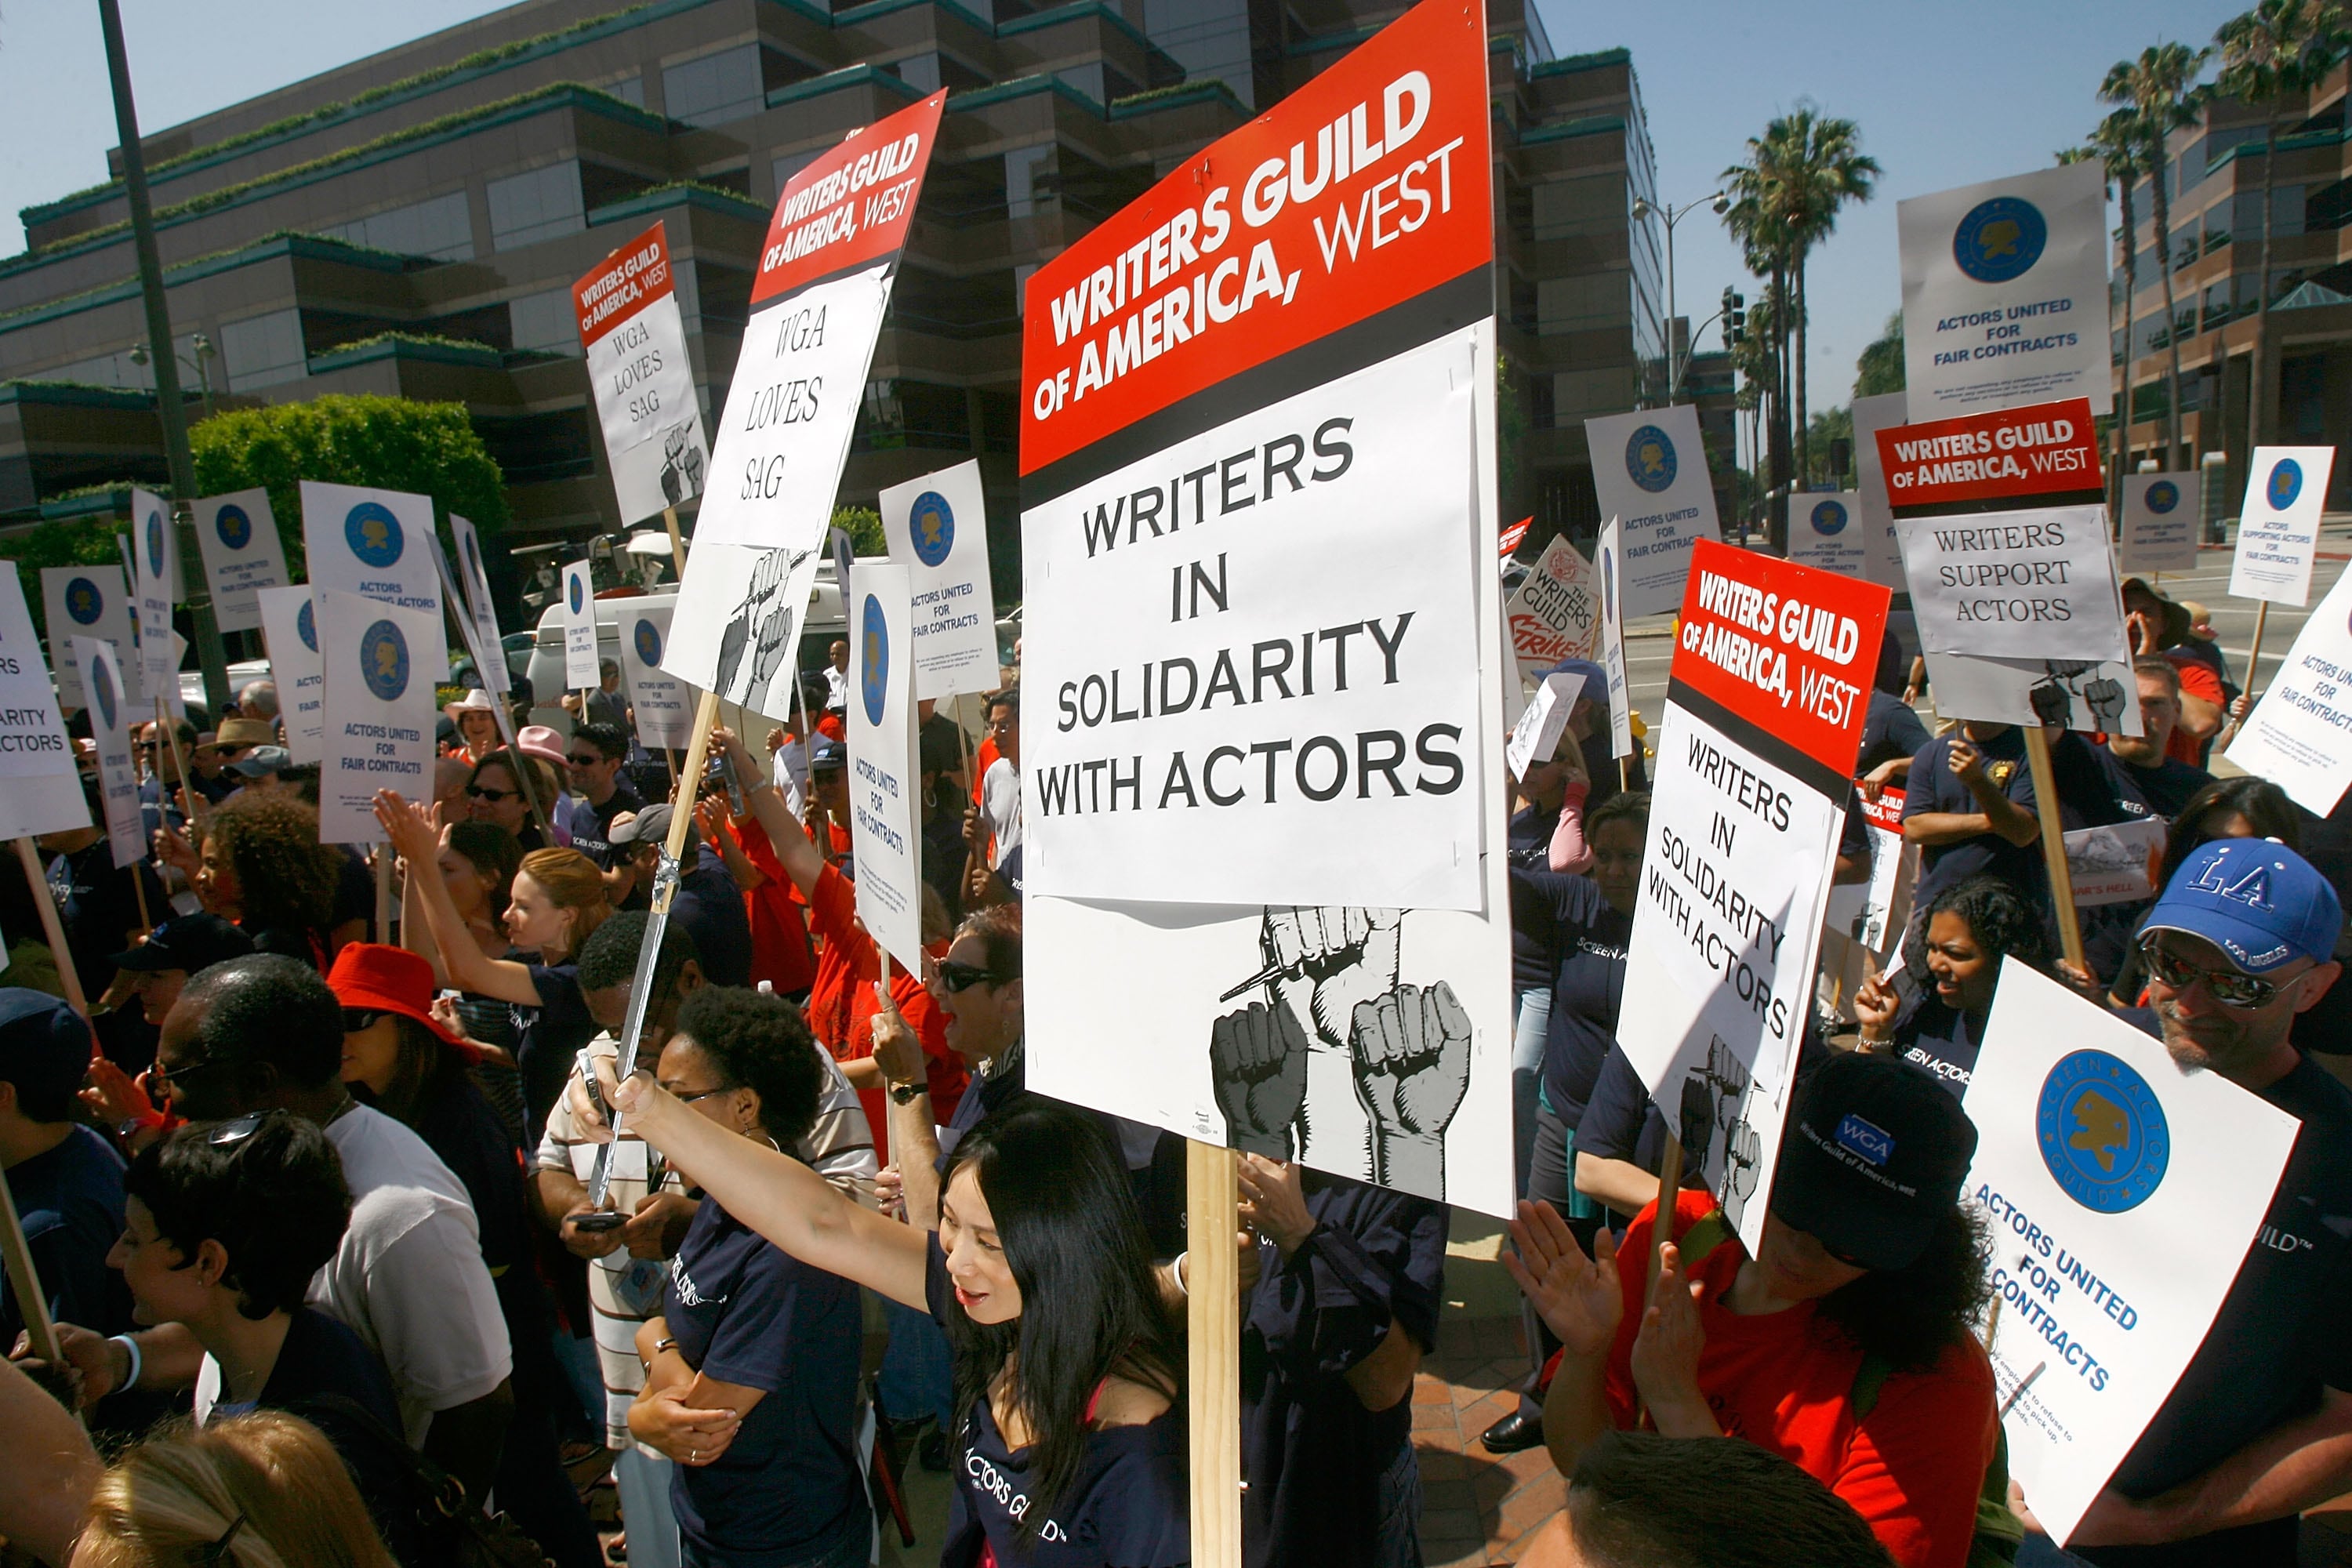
(1999, 240)
(383, 661)
(373, 533)
(648, 644)
(102, 684)
(932, 523)
(154, 544)
(1829, 519)
(875, 630)
(579, 594)
(1650, 459)
(236, 529)
(2286, 483)
(307, 626)
(83, 602)
(2162, 497)
(2102, 1133)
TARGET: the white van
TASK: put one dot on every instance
(824, 623)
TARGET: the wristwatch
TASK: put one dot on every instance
(904, 1093)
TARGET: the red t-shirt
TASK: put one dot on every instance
(1912, 1468)
(981, 760)
(841, 1006)
(780, 944)
(2196, 680)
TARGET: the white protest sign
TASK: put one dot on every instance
(1611, 573)
(371, 542)
(578, 618)
(1764, 714)
(474, 594)
(1276, 682)
(1649, 469)
(110, 717)
(1537, 735)
(2037, 584)
(2090, 695)
(2278, 525)
(2299, 736)
(2161, 513)
(44, 790)
(885, 789)
(88, 601)
(289, 631)
(1555, 612)
(154, 554)
(2096, 1157)
(2005, 292)
(1882, 554)
(379, 711)
(238, 537)
(642, 382)
(1864, 912)
(1826, 532)
(936, 528)
(663, 704)
(2116, 864)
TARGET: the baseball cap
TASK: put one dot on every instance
(262, 760)
(1596, 679)
(826, 754)
(44, 1044)
(651, 826)
(1873, 1158)
(186, 941)
(373, 978)
(2258, 901)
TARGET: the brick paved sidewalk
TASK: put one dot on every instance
(1477, 1510)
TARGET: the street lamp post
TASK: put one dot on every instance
(1719, 204)
(201, 348)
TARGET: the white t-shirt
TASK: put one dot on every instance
(837, 688)
(1000, 803)
(408, 1278)
(792, 773)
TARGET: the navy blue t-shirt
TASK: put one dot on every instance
(1128, 1506)
(744, 1312)
(548, 1039)
(1889, 730)
(1940, 1038)
(1312, 1454)
(71, 1200)
(709, 907)
(1533, 960)
(591, 828)
(2085, 799)
(1588, 985)
(321, 1365)
(2162, 790)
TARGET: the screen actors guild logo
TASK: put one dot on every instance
(2102, 1133)
(932, 523)
(1650, 459)
(374, 534)
(383, 661)
(1999, 241)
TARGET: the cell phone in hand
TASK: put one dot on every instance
(602, 1220)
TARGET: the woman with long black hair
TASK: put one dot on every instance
(1954, 972)
(1069, 1442)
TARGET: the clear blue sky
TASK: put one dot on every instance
(1945, 94)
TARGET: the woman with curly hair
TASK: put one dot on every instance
(1970, 927)
(262, 865)
(1843, 1344)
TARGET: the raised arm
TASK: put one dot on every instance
(775, 1194)
(711, 817)
(1568, 850)
(799, 858)
(463, 963)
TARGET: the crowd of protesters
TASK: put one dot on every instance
(347, 1263)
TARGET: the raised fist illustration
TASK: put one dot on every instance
(2106, 696)
(1258, 1059)
(2051, 705)
(1328, 960)
(1411, 1051)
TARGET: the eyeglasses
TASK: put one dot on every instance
(230, 753)
(169, 1079)
(2231, 987)
(476, 792)
(236, 1129)
(356, 1019)
(686, 1097)
(587, 762)
(958, 977)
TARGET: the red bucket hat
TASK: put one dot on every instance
(378, 979)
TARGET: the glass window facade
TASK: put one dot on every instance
(262, 351)
(714, 89)
(546, 321)
(440, 227)
(1210, 38)
(540, 205)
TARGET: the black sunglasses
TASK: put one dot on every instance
(476, 792)
(355, 1019)
(165, 1079)
(589, 761)
(236, 1129)
(956, 977)
(2230, 988)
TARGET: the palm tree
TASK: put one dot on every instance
(1786, 199)
(1755, 219)
(2115, 143)
(2271, 57)
(2161, 87)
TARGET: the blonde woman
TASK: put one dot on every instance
(263, 1490)
(555, 904)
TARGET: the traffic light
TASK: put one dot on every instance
(1735, 318)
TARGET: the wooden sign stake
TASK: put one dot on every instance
(2254, 654)
(2053, 839)
(1213, 1320)
(55, 930)
(31, 1304)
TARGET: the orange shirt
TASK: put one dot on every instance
(841, 1006)
(780, 943)
(1912, 1467)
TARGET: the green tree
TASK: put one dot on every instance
(1828, 426)
(1880, 369)
(2115, 143)
(2271, 57)
(2160, 87)
(864, 526)
(392, 443)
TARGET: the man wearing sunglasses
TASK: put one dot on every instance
(2260, 1426)
(592, 766)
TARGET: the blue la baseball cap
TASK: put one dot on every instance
(2258, 901)
(1596, 679)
